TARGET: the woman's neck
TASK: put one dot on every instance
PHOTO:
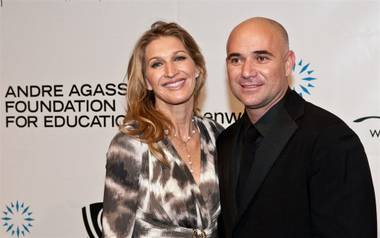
(181, 117)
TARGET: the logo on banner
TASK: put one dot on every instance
(63, 106)
(302, 78)
(92, 218)
(375, 133)
(17, 219)
(223, 117)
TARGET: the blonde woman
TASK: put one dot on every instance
(161, 176)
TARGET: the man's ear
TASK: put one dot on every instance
(289, 62)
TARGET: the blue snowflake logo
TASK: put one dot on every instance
(17, 219)
(302, 79)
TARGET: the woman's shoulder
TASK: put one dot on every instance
(210, 124)
(124, 140)
(125, 146)
(209, 129)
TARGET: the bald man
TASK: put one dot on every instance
(287, 168)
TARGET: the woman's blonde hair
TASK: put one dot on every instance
(143, 120)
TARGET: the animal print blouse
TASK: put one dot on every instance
(144, 198)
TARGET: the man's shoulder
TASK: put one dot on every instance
(320, 116)
(313, 119)
(302, 110)
(319, 121)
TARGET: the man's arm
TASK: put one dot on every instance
(342, 197)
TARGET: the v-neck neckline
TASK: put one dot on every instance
(180, 162)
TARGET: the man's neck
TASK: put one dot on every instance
(255, 114)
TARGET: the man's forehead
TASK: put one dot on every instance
(252, 37)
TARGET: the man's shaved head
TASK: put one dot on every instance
(262, 22)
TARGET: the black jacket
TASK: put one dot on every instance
(310, 178)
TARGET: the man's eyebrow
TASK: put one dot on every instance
(233, 55)
(262, 52)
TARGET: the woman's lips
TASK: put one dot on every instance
(174, 84)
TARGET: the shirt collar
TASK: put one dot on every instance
(265, 123)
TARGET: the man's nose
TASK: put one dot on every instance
(248, 69)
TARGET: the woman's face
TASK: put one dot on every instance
(170, 72)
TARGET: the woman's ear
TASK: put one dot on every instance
(197, 72)
(148, 85)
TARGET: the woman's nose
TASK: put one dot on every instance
(170, 70)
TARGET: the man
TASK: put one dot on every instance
(287, 168)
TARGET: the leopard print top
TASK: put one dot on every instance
(144, 198)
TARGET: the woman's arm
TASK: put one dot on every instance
(122, 185)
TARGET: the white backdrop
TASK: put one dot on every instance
(50, 170)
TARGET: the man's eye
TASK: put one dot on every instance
(234, 60)
(261, 58)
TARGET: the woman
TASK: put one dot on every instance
(161, 179)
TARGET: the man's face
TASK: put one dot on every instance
(258, 64)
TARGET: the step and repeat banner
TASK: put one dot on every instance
(62, 90)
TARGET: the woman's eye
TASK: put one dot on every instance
(180, 58)
(155, 65)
